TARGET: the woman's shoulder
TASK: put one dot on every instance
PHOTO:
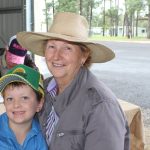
(99, 91)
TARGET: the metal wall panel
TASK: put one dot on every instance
(10, 3)
(12, 18)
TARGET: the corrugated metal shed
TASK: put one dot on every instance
(12, 18)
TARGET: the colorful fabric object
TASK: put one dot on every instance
(51, 123)
(15, 53)
(52, 117)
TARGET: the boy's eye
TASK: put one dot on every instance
(25, 98)
(68, 48)
(9, 99)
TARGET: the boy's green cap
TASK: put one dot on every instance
(25, 74)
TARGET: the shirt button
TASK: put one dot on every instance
(60, 134)
(44, 124)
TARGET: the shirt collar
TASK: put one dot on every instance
(52, 87)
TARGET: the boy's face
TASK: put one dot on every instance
(21, 104)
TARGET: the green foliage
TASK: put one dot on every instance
(65, 5)
(134, 5)
(93, 10)
(148, 2)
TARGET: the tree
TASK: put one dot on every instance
(46, 16)
(80, 6)
(65, 5)
(112, 13)
(148, 28)
(48, 7)
(131, 6)
(105, 18)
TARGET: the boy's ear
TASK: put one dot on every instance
(40, 104)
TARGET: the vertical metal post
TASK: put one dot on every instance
(104, 19)
(28, 15)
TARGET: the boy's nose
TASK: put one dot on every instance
(16, 103)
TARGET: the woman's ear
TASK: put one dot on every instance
(40, 105)
(85, 56)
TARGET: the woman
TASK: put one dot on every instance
(80, 112)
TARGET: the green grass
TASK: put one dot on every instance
(118, 38)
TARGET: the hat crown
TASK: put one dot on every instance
(25, 74)
(28, 73)
(70, 24)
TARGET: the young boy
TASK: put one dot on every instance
(22, 91)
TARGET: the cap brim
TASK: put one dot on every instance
(35, 42)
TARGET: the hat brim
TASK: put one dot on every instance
(35, 42)
(10, 78)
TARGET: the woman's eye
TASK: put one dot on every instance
(68, 48)
(50, 47)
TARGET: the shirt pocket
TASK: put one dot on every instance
(70, 139)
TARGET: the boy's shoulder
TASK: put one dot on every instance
(3, 121)
(3, 116)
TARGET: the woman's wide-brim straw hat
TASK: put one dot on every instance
(66, 26)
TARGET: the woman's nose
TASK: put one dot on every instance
(57, 54)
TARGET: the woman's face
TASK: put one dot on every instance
(63, 59)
